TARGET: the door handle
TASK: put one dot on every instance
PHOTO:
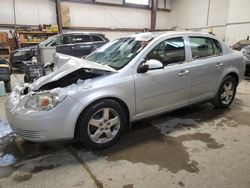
(183, 73)
(219, 65)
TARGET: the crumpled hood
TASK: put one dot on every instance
(65, 65)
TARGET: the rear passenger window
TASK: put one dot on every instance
(169, 51)
(80, 38)
(97, 38)
(217, 47)
(204, 47)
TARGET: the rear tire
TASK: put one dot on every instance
(102, 124)
(226, 93)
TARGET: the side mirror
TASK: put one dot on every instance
(151, 64)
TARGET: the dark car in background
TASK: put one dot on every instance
(22, 54)
(74, 44)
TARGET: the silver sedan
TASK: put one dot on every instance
(131, 78)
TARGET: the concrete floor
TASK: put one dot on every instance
(197, 146)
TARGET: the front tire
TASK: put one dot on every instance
(102, 124)
(226, 93)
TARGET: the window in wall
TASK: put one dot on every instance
(169, 51)
(204, 47)
(81, 1)
(138, 2)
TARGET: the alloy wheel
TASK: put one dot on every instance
(104, 125)
(227, 92)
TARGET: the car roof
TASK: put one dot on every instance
(84, 33)
(169, 33)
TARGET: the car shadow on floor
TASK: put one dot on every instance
(150, 140)
(145, 142)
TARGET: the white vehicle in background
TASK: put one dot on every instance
(246, 53)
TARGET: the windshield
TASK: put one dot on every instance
(49, 41)
(118, 53)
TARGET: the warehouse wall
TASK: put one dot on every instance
(200, 15)
(228, 19)
(34, 12)
(88, 15)
(238, 23)
(28, 12)
(218, 12)
(183, 10)
(163, 20)
(6, 12)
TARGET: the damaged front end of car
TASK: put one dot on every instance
(70, 75)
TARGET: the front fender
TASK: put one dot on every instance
(123, 91)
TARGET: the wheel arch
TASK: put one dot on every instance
(234, 75)
(118, 100)
(217, 101)
(228, 72)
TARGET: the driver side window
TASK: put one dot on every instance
(169, 51)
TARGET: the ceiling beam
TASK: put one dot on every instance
(59, 15)
(153, 14)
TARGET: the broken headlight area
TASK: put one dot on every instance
(43, 101)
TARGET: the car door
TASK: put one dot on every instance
(82, 45)
(64, 44)
(163, 89)
(207, 65)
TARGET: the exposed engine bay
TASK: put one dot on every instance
(67, 71)
(73, 78)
